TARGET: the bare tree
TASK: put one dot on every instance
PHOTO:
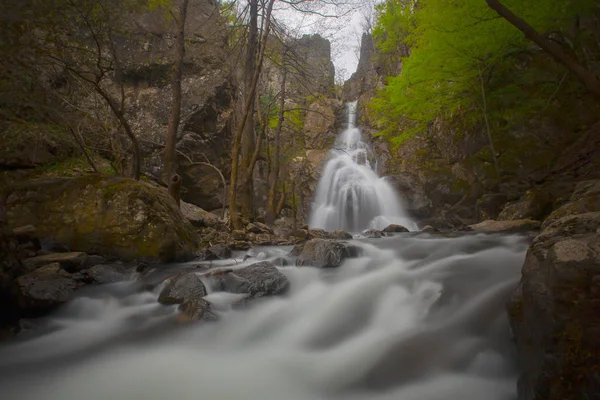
(172, 179)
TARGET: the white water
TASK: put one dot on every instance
(351, 196)
(414, 318)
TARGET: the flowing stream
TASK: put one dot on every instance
(350, 195)
(416, 317)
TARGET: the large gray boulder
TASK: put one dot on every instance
(554, 312)
(257, 280)
(183, 287)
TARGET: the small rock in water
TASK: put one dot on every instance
(323, 253)
(70, 262)
(393, 228)
(221, 250)
(196, 310)
(258, 280)
(339, 234)
(429, 229)
(373, 233)
(183, 287)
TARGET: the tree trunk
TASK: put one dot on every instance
(271, 205)
(487, 126)
(235, 218)
(588, 79)
(170, 160)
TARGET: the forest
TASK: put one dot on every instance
(349, 199)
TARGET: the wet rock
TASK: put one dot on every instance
(222, 251)
(297, 250)
(373, 233)
(107, 273)
(317, 234)
(196, 310)
(44, 289)
(322, 253)
(114, 217)
(393, 228)
(340, 235)
(554, 311)
(516, 226)
(280, 262)
(535, 205)
(258, 280)
(258, 227)
(70, 262)
(429, 229)
(206, 255)
(183, 287)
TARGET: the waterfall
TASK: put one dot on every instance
(350, 194)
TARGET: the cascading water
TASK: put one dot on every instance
(351, 196)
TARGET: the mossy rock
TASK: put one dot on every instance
(111, 216)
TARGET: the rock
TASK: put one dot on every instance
(183, 287)
(280, 262)
(111, 216)
(258, 280)
(70, 262)
(340, 235)
(222, 251)
(489, 206)
(297, 250)
(585, 198)
(239, 235)
(44, 289)
(206, 255)
(554, 311)
(373, 233)
(196, 310)
(517, 226)
(317, 233)
(257, 227)
(429, 229)
(198, 217)
(393, 228)
(107, 273)
(322, 253)
(535, 204)
(25, 233)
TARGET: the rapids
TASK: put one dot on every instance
(416, 317)
(350, 195)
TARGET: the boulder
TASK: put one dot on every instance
(517, 226)
(199, 217)
(554, 311)
(258, 280)
(222, 251)
(535, 204)
(585, 198)
(183, 287)
(25, 233)
(393, 228)
(70, 262)
(206, 255)
(44, 289)
(429, 229)
(196, 310)
(373, 233)
(340, 235)
(111, 216)
(106, 273)
(322, 253)
(258, 227)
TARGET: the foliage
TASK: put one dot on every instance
(461, 50)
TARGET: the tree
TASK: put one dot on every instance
(588, 79)
(172, 179)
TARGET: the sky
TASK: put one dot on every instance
(344, 32)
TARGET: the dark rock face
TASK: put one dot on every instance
(258, 280)
(489, 206)
(44, 289)
(184, 287)
(108, 273)
(113, 217)
(322, 253)
(222, 251)
(535, 204)
(393, 228)
(554, 312)
(70, 262)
